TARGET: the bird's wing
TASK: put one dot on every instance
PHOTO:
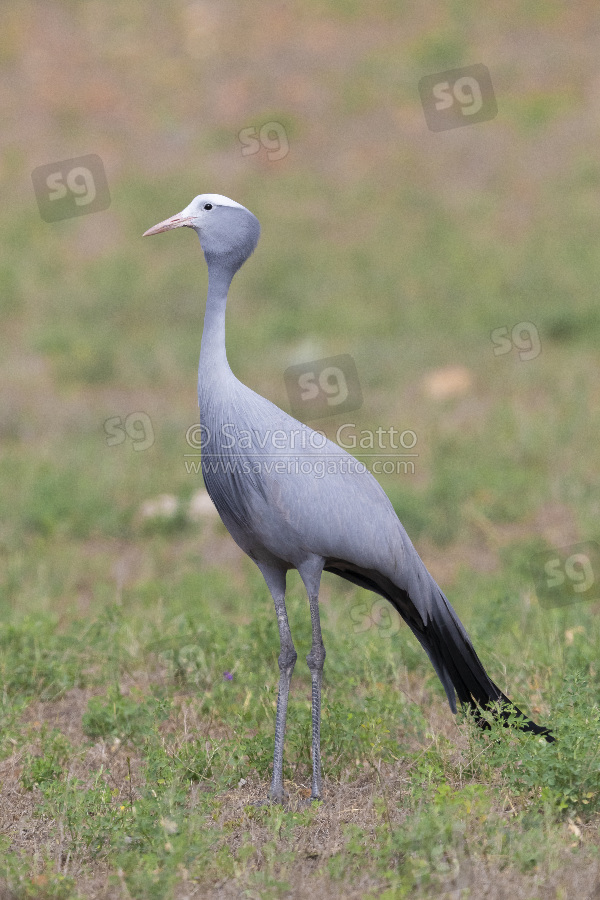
(332, 505)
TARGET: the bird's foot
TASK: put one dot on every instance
(273, 797)
(315, 788)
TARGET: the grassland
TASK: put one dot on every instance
(138, 654)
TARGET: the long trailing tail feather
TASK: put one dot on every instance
(440, 632)
(460, 670)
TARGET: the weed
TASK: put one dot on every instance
(127, 717)
(47, 765)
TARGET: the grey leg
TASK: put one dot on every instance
(275, 579)
(310, 573)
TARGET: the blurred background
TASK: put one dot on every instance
(457, 267)
(427, 178)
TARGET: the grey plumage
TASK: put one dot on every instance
(293, 500)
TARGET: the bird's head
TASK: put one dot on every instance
(228, 231)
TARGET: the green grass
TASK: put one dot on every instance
(163, 800)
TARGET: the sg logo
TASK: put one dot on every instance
(137, 426)
(569, 576)
(379, 615)
(524, 336)
(458, 97)
(73, 187)
(272, 136)
(323, 387)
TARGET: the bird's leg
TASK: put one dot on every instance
(287, 661)
(316, 660)
(311, 576)
(275, 579)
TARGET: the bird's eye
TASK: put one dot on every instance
(208, 206)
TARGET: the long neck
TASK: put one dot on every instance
(213, 358)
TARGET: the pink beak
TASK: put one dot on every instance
(174, 222)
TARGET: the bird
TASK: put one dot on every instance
(292, 499)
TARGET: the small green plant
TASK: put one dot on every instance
(128, 717)
(37, 660)
(565, 773)
(88, 811)
(47, 765)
